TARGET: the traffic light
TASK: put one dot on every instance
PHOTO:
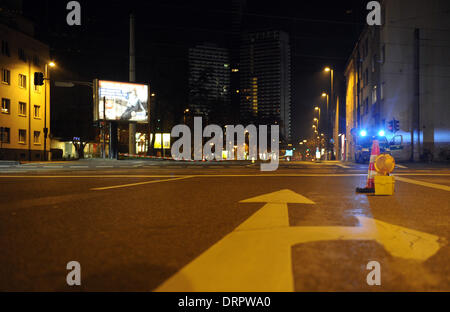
(38, 79)
(391, 126)
(396, 125)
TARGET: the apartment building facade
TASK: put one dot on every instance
(401, 71)
(25, 109)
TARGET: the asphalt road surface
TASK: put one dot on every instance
(166, 226)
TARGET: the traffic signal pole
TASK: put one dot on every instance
(45, 111)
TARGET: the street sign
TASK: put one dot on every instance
(256, 256)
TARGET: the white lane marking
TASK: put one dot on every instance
(293, 175)
(79, 167)
(104, 166)
(343, 166)
(52, 167)
(426, 184)
(136, 184)
(401, 166)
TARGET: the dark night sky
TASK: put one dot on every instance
(322, 33)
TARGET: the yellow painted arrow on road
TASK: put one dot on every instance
(256, 256)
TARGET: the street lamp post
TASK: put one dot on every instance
(317, 109)
(47, 77)
(331, 71)
(184, 115)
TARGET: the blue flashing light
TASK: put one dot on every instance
(363, 133)
(381, 133)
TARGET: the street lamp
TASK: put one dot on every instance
(47, 77)
(184, 114)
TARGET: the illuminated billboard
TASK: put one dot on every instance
(123, 101)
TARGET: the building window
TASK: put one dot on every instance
(36, 61)
(37, 137)
(22, 136)
(37, 113)
(22, 81)
(22, 109)
(374, 94)
(5, 48)
(374, 63)
(366, 48)
(5, 135)
(22, 55)
(6, 106)
(6, 76)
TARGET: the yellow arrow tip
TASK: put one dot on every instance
(280, 197)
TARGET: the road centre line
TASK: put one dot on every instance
(426, 184)
(135, 184)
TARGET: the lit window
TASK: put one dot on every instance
(22, 109)
(22, 81)
(37, 137)
(22, 136)
(6, 106)
(235, 70)
(6, 76)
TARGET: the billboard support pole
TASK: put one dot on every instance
(132, 126)
(104, 128)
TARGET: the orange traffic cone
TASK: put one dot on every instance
(370, 187)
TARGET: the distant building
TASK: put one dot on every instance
(265, 79)
(401, 71)
(209, 78)
(23, 108)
